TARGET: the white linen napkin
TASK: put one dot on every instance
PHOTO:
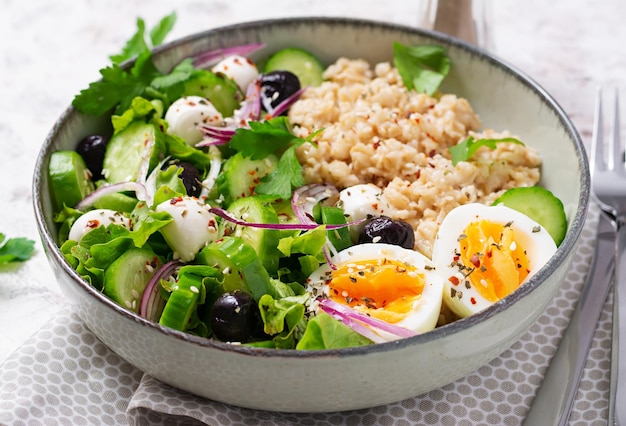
(64, 375)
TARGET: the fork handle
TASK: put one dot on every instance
(617, 390)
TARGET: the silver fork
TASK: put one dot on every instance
(608, 177)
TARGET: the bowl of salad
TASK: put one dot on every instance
(311, 214)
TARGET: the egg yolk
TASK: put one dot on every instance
(491, 259)
(385, 289)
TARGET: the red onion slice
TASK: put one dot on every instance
(151, 302)
(284, 105)
(138, 188)
(306, 197)
(286, 226)
(208, 59)
(338, 309)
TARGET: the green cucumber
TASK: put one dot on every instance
(263, 241)
(239, 264)
(187, 294)
(539, 204)
(221, 91)
(241, 175)
(69, 178)
(126, 278)
(116, 201)
(126, 150)
(306, 66)
(339, 238)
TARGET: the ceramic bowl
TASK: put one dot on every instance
(334, 380)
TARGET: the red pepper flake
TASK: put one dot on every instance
(473, 300)
(475, 260)
(94, 223)
(176, 200)
(375, 206)
(454, 280)
(377, 144)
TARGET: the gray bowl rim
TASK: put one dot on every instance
(562, 253)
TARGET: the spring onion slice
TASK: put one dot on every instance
(337, 309)
(216, 165)
(207, 59)
(152, 303)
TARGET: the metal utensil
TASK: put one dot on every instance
(554, 399)
(608, 178)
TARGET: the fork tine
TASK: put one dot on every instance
(616, 160)
(597, 160)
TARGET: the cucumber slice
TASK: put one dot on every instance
(127, 149)
(339, 238)
(240, 265)
(221, 91)
(126, 278)
(263, 241)
(70, 178)
(241, 175)
(306, 66)
(116, 201)
(540, 205)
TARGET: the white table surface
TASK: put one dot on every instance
(51, 50)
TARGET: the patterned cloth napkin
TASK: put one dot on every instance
(64, 375)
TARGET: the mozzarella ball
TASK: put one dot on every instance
(187, 113)
(361, 202)
(94, 219)
(192, 228)
(484, 253)
(239, 69)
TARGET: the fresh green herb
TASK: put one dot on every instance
(268, 137)
(466, 149)
(138, 44)
(119, 86)
(422, 68)
(15, 249)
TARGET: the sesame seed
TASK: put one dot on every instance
(194, 289)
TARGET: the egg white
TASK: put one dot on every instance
(463, 299)
(425, 310)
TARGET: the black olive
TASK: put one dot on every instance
(235, 317)
(383, 229)
(191, 179)
(276, 86)
(92, 148)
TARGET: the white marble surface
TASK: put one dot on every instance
(49, 50)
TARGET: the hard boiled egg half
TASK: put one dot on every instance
(384, 281)
(484, 253)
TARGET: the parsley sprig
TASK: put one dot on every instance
(466, 149)
(268, 137)
(15, 249)
(422, 68)
(120, 85)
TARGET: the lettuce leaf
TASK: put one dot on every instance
(325, 332)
